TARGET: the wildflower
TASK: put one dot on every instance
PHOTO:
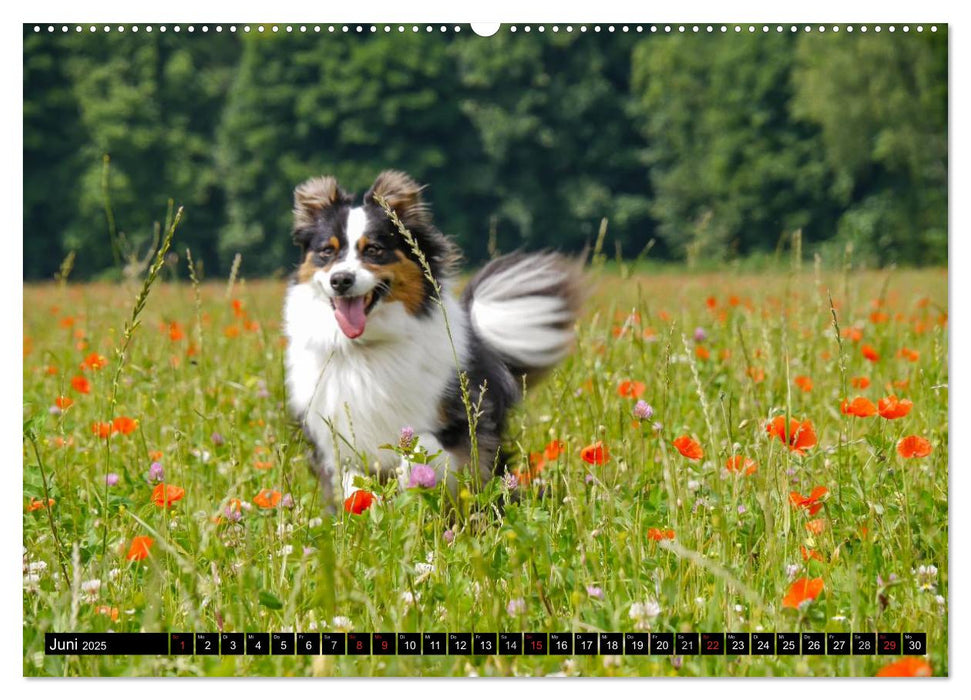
(155, 472)
(90, 589)
(810, 502)
(926, 577)
(700, 335)
(217, 439)
(742, 509)
(738, 463)
(914, 446)
(597, 453)
(689, 447)
(657, 534)
(37, 505)
(267, 498)
(808, 554)
(643, 614)
(756, 373)
(553, 450)
(799, 436)
(860, 407)
(870, 354)
(139, 548)
(341, 623)
(643, 410)
(909, 666)
(94, 361)
(63, 402)
(804, 383)
(231, 331)
(406, 437)
(510, 481)
(516, 606)
(631, 389)
(817, 526)
(595, 592)
(287, 501)
(853, 333)
(233, 514)
(907, 353)
(701, 352)
(448, 536)
(101, 430)
(802, 592)
(111, 479)
(164, 495)
(860, 382)
(358, 502)
(891, 407)
(422, 476)
(176, 333)
(108, 611)
(124, 425)
(791, 571)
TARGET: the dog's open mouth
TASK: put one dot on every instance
(352, 312)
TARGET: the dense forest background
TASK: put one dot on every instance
(714, 147)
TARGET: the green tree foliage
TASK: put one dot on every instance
(731, 171)
(881, 103)
(719, 145)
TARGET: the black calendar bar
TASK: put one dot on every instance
(106, 644)
(486, 643)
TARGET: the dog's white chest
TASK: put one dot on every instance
(356, 396)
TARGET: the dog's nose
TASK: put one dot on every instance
(342, 281)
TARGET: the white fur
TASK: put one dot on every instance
(514, 317)
(356, 395)
(364, 279)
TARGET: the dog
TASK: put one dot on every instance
(377, 339)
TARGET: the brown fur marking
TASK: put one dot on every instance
(406, 281)
(311, 196)
(403, 195)
(309, 265)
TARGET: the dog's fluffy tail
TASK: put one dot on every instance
(524, 306)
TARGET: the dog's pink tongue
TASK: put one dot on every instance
(350, 315)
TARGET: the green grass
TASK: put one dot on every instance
(578, 525)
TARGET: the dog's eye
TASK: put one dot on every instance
(326, 251)
(372, 251)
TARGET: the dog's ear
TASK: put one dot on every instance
(310, 198)
(403, 195)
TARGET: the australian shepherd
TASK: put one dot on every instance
(377, 338)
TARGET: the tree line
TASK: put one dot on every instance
(698, 147)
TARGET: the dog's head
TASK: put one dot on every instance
(355, 255)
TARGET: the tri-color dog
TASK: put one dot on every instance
(371, 350)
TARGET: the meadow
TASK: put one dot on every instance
(692, 467)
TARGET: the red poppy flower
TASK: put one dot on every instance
(756, 373)
(689, 447)
(124, 425)
(176, 333)
(808, 554)
(102, 430)
(804, 383)
(907, 353)
(738, 463)
(358, 502)
(63, 402)
(913, 447)
(860, 382)
(139, 548)
(870, 354)
(701, 352)
(802, 591)
(817, 526)
(231, 331)
(94, 361)
(810, 502)
(597, 453)
(853, 333)
(909, 666)
(37, 505)
(81, 385)
(860, 407)
(891, 407)
(267, 498)
(799, 436)
(631, 389)
(657, 534)
(166, 494)
(553, 450)
(238, 308)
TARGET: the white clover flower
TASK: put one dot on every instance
(315, 522)
(90, 589)
(286, 550)
(31, 583)
(792, 570)
(37, 567)
(341, 623)
(643, 614)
